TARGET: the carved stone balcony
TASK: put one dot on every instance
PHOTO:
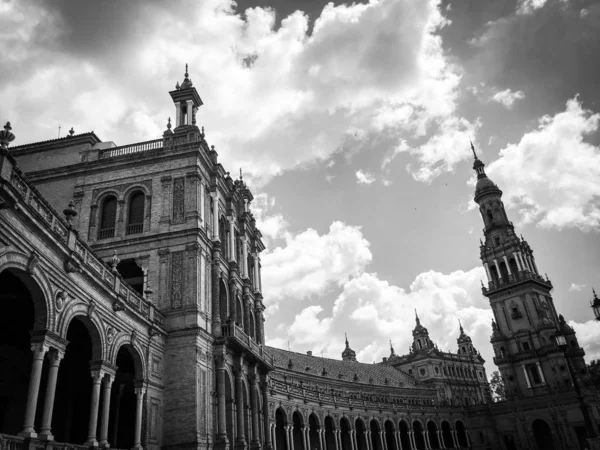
(515, 279)
(240, 341)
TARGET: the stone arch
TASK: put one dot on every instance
(330, 427)
(281, 421)
(404, 430)
(345, 427)
(542, 434)
(298, 421)
(133, 188)
(37, 284)
(418, 429)
(447, 434)
(375, 428)
(93, 325)
(124, 341)
(314, 425)
(461, 433)
(432, 434)
(389, 431)
(361, 435)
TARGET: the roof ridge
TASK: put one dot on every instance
(87, 133)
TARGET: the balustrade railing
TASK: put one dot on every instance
(514, 278)
(83, 256)
(129, 149)
(231, 330)
(135, 228)
(106, 233)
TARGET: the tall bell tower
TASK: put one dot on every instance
(525, 318)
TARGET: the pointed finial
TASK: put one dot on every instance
(203, 131)
(177, 86)
(169, 124)
(417, 317)
(186, 70)
(522, 237)
(460, 327)
(473, 149)
(6, 137)
(346, 335)
(114, 261)
(480, 242)
(481, 281)
(391, 347)
(241, 177)
(594, 291)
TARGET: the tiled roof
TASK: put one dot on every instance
(62, 139)
(352, 371)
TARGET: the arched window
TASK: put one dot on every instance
(490, 215)
(135, 214)
(108, 218)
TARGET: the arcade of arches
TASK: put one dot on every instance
(359, 434)
(58, 388)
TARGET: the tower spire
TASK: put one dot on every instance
(473, 149)
(417, 317)
(461, 327)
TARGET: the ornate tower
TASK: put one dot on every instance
(525, 318)
(348, 354)
(465, 344)
(187, 101)
(421, 339)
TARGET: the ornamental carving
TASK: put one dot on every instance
(179, 200)
(110, 334)
(176, 279)
(61, 299)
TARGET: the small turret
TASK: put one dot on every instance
(421, 339)
(465, 344)
(348, 354)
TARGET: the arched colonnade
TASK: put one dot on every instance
(296, 433)
(69, 380)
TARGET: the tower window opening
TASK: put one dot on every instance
(108, 218)
(490, 215)
(526, 346)
(497, 241)
(132, 274)
(419, 344)
(135, 215)
(535, 374)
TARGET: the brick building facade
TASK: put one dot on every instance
(134, 319)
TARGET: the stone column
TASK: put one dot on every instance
(256, 282)
(54, 357)
(526, 376)
(258, 333)
(216, 287)
(540, 372)
(255, 443)
(288, 437)
(221, 418)
(93, 233)
(440, 439)
(519, 267)
(190, 112)
(498, 270)
(487, 271)
(39, 350)
(106, 388)
(353, 439)
(239, 400)
(215, 196)
(139, 397)
(383, 440)
(166, 198)
(177, 114)
(507, 265)
(411, 438)
(367, 435)
(96, 378)
(454, 438)
(231, 239)
(398, 441)
(201, 199)
(245, 256)
(426, 439)
(265, 402)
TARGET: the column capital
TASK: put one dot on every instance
(39, 349)
(55, 357)
(140, 391)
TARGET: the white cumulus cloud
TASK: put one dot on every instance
(364, 177)
(507, 97)
(309, 264)
(552, 176)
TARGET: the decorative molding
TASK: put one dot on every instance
(72, 265)
(176, 279)
(120, 189)
(110, 334)
(91, 308)
(61, 298)
(34, 260)
(179, 200)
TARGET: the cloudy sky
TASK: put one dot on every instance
(352, 124)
